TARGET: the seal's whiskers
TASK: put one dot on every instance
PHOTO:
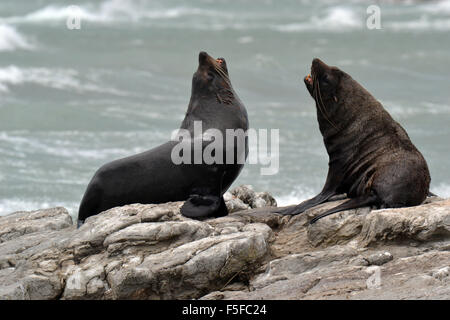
(321, 105)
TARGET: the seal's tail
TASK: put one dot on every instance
(359, 202)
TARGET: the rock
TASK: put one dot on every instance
(244, 198)
(153, 252)
(245, 193)
(379, 258)
(405, 278)
(263, 199)
(131, 252)
(442, 273)
(20, 223)
(337, 228)
(292, 265)
(235, 204)
(29, 253)
(420, 223)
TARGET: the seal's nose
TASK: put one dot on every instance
(317, 62)
(202, 57)
(317, 66)
(308, 80)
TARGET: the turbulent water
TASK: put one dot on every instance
(71, 100)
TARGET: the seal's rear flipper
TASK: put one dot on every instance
(431, 194)
(359, 202)
(319, 199)
(202, 206)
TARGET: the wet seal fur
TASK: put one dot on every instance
(371, 157)
(152, 177)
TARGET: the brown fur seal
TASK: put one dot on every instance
(371, 157)
(153, 177)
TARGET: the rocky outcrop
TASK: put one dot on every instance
(153, 252)
(244, 198)
(132, 252)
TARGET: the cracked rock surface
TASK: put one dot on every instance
(153, 252)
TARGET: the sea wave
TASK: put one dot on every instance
(437, 7)
(442, 190)
(72, 144)
(424, 23)
(8, 206)
(331, 17)
(55, 78)
(299, 194)
(11, 39)
(336, 19)
(111, 11)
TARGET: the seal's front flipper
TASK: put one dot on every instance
(202, 206)
(431, 194)
(354, 203)
(320, 198)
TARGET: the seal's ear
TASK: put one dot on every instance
(337, 72)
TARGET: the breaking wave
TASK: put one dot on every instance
(11, 39)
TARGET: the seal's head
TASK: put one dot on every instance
(324, 82)
(334, 93)
(211, 75)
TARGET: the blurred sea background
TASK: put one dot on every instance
(71, 100)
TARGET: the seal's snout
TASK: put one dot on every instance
(202, 57)
(317, 61)
(317, 66)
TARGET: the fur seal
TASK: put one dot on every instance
(371, 157)
(152, 177)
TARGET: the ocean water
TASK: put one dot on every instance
(71, 100)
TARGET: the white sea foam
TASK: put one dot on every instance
(11, 39)
(337, 19)
(8, 206)
(299, 194)
(424, 23)
(401, 110)
(442, 190)
(110, 11)
(245, 39)
(437, 7)
(56, 78)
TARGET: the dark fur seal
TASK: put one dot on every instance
(371, 157)
(152, 177)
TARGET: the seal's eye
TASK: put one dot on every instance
(210, 76)
(325, 79)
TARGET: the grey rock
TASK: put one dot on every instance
(244, 197)
(421, 223)
(131, 252)
(379, 258)
(236, 204)
(21, 223)
(153, 252)
(442, 273)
